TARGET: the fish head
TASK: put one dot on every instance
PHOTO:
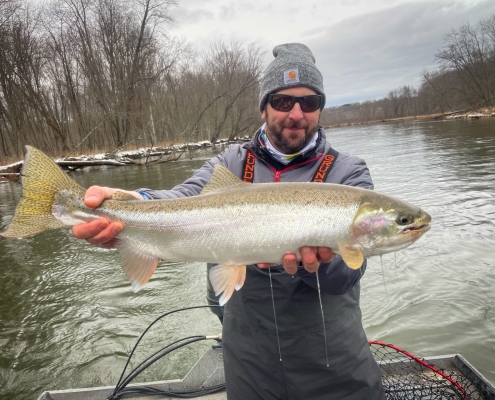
(383, 224)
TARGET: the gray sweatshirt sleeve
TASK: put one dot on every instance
(336, 277)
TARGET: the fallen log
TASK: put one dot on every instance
(443, 115)
(88, 163)
(163, 154)
(9, 176)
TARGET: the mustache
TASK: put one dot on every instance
(299, 124)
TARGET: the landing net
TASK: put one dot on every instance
(406, 376)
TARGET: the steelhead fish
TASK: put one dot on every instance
(230, 223)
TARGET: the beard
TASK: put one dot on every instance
(290, 142)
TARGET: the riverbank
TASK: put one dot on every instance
(172, 152)
(460, 114)
(139, 156)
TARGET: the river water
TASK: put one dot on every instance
(68, 317)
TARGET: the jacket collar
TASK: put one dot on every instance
(261, 153)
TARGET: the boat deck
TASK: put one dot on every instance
(403, 378)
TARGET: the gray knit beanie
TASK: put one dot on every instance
(294, 65)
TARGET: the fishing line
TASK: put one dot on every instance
(383, 278)
(322, 317)
(274, 312)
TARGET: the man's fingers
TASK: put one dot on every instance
(309, 259)
(97, 232)
(289, 261)
(264, 265)
(95, 195)
(89, 229)
(324, 254)
(106, 234)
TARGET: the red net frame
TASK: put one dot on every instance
(406, 376)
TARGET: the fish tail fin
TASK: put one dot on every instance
(41, 179)
(225, 278)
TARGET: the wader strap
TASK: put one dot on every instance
(325, 166)
(248, 172)
(320, 175)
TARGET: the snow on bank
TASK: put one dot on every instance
(11, 171)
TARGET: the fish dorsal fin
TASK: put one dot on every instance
(352, 257)
(221, 178)
(122, 196)
(138, 266)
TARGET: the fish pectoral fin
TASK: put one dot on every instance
(225, 278)
(138, 266)
(353, 257)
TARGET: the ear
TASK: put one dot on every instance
(263, 114)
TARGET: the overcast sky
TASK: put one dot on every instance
(364, 48)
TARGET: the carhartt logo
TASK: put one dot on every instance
(291, 76)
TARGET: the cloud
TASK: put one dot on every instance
(184, 16)
(365, 57)
(364, 48)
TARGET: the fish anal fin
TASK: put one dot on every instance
(122, 196)
(225, 278)
(353, 257)
(221, 178)
(138, 266)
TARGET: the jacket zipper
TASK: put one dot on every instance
(278, 173)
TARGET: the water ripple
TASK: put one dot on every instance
(69, 316)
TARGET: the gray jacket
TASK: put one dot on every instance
(253, 369)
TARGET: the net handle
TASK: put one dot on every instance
(423, 363)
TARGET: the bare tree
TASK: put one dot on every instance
(468, 52)
(102, 74)
(8, 9)
(236, 72)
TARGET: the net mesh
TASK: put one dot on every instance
(406, 376)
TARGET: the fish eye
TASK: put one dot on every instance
(404, 219)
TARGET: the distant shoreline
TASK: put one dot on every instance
(437, 116)
(11, 172)
(154, 155)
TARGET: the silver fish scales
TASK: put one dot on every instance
(230, 223)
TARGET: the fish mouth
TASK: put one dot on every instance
(417, 229)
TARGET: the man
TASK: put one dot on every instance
(286, 359)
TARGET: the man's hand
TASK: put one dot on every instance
(310, 258)
(100, 231)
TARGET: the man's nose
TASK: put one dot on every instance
(296, 113)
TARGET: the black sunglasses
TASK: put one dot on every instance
(285, 102)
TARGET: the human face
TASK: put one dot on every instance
(291, 131)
